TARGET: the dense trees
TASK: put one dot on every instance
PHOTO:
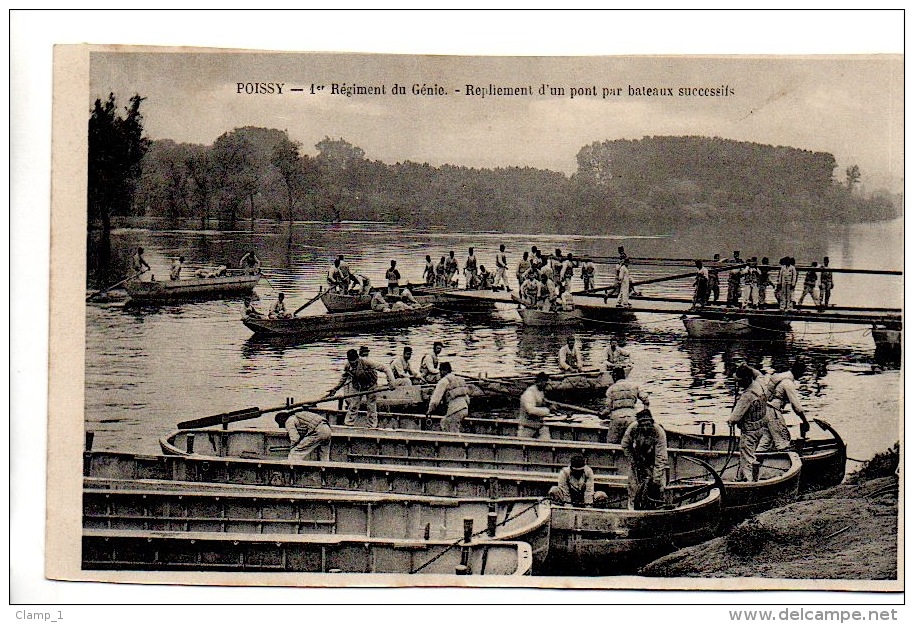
(116, 148)
(651, 185)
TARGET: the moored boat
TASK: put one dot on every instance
(235, 283)
(698, 490)
(559, 318)
(338, 322)
(779, 478)
(153, 505)
(111, 549)
(823, 454)
(888, 343)
(698, 327)
(501, 391)
(346, 302)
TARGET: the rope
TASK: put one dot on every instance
(460, 540)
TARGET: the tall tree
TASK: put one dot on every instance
(116, 147)
(852, 174)
(287, 159)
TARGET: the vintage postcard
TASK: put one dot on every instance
(402, 320)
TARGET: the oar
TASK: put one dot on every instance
(113, 286)
(318, 296)
(249, 413)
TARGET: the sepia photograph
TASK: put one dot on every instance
(407, 320)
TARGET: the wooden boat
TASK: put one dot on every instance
(560, 318)
(234, 284)
(779, 479)
(688, 495)
(340, 322)
(112, 549)
(698, 327)
(444, 300)
(340, 302)
(124, 505)
(823, 454)
(888, 343)
(501, 391)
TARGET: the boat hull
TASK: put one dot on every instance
(593, 542)
(500, 392)
(779, 479)
(339, 322)
(823, 459)
(824, 456)
(109, 549)
(195, 288)
(124, 505)
(539, 318)
(715, 328)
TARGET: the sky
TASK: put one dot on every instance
(850, 106)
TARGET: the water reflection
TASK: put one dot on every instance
(149, 366)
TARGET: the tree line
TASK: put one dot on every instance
(653, 184)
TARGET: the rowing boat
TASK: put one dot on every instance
(152, 505)
(716, 328)
(501, 391)
(657, 531)
(112, 549)
(444, 299)
(823, 454)
(235, 283)
(345, 302)
(778, 481)
(559, 318)
(338, 322)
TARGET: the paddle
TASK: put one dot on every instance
(318, 296)
(249, 413)
(113, 286)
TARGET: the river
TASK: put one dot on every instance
(148, 368)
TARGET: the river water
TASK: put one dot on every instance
(148, 368)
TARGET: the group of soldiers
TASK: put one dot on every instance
(748, 282)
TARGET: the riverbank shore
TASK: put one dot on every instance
(846, 532)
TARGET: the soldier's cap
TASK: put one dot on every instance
(542, 377)
(644, 414)
(438, 343)
(577, 462)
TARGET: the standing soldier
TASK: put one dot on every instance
(428, 273)
(714, 280)
(752, 279)
(176, 266)
(621, 398)
(700, 298)
(138, 263)
(393, 279)
(734, 279)
(826, 283)
(455, 392)
(470, 270)
(625, 281)
(644, 444)
(567, 272)
(362, 374)
(809, 286)
(523, 267)
(587, 274)
(750, 413)
(501, 268)
(533, 410)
